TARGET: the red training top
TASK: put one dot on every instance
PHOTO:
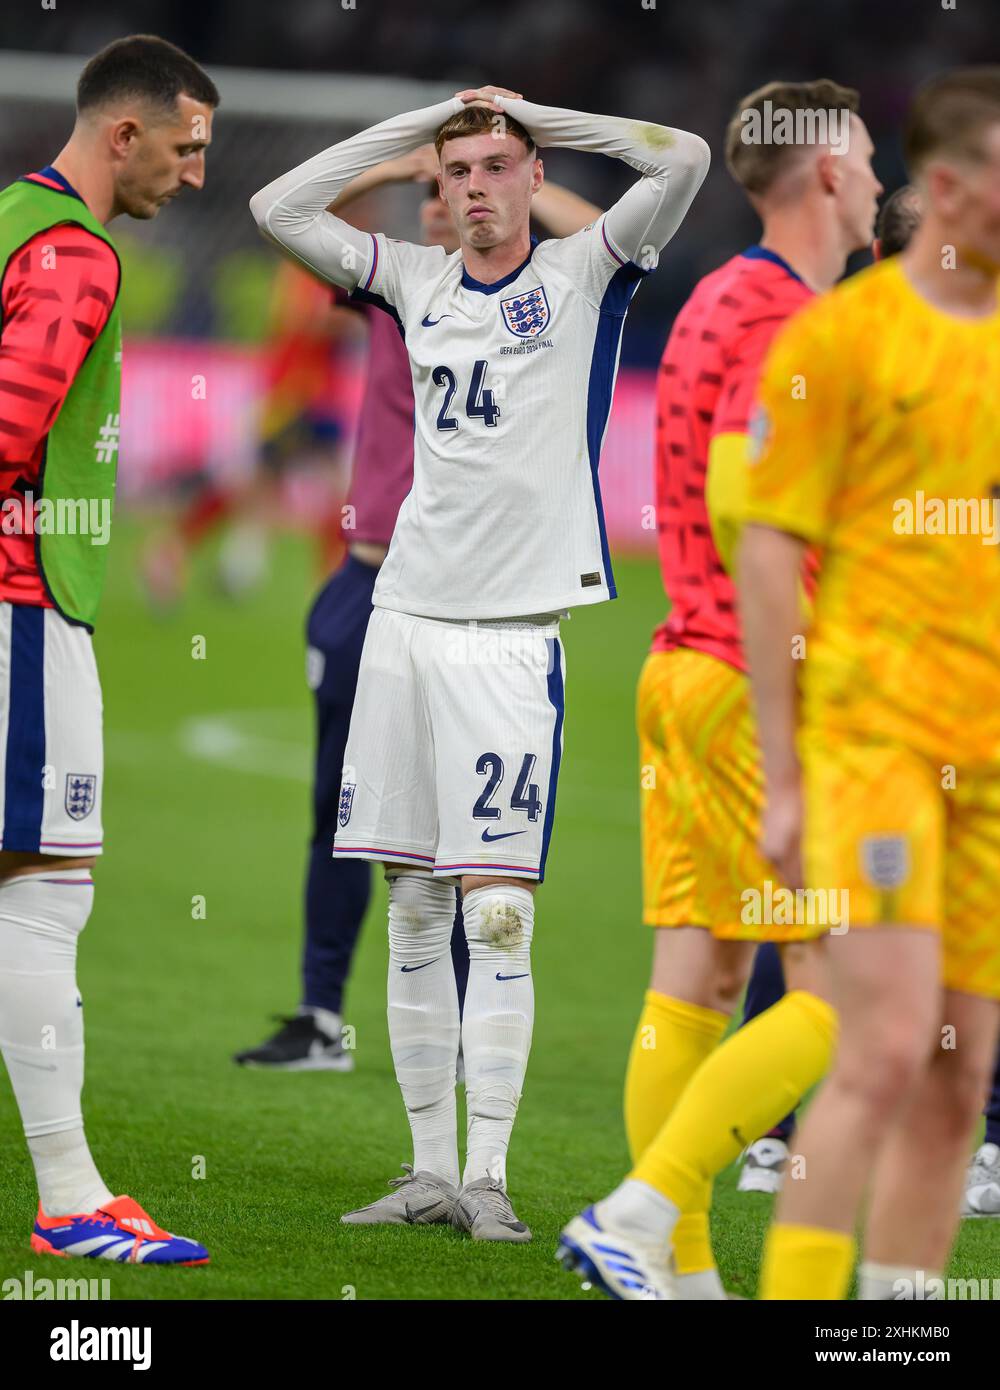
(55, 298)
(706, 386)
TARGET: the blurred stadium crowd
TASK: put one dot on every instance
(666, 60)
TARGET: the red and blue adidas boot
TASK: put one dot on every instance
(120, 1230)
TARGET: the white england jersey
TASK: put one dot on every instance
(512, 386)
(512, 381)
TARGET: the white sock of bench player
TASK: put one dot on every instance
(879, 1283)
(496, 1021)
(423, 1014)
(41, 1030)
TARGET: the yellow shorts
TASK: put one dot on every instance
(911, 843)
(701, 796)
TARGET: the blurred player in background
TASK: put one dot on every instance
(765, 1160)
(898, 219)
(691, 1105)
(454, 749)
(144, 116)
(300, 426)
(982, 1182)
(338, 889)
(881, 750)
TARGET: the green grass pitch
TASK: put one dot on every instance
(207, 794)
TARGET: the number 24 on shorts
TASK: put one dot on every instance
(524, 796)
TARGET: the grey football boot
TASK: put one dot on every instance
(982, 1183)
(419, 1199)
(483, 1210)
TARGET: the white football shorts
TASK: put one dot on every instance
(453, 753)
(51, 750)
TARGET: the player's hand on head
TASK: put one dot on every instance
(486, 96)
(781, 833)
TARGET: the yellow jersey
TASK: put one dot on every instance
(878, 441)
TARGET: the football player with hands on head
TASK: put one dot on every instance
(338, 888)
(456, 733)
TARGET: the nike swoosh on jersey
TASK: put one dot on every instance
(488, 838)
(512, 977)
(409, 969)
(428, 322)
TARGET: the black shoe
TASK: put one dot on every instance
(299, 1045)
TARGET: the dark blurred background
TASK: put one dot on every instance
(204, 296)
(676, 61)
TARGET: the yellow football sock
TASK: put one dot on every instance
(671, 1042)
(806, 1262)
(740, 1092)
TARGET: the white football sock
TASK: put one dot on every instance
(702, 1286)
(423, 1014)
(68, 1180)
(638, 1210)
(41, 1030)
(884, 1283)
(497, 1020)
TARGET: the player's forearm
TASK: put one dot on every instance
(647, 147)
(357, 188)
(292, 209)
(673, 164)
(419, 165)
(770, 563)
(561, 211)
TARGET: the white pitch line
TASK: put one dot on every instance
(237, 739)
(249, 741)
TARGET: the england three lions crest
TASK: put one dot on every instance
(81, 794)
(346, 802)
(526, 315)
(885, 860)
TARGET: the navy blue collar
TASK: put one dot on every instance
(761, 253)
(468, 283)
(54, 176)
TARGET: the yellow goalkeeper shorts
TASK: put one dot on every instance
(909, 843)
(701, 797)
